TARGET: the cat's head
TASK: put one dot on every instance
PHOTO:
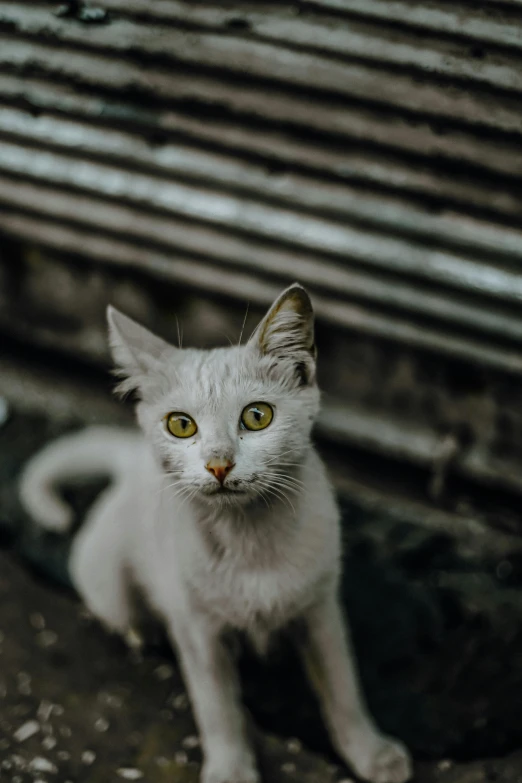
(231, 424)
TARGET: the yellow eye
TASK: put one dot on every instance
(181, 425)
(257, 416)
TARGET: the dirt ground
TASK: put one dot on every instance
(437, 628)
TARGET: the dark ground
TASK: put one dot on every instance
(437, 629)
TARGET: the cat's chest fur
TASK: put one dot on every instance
(263, 579)
(244, 598)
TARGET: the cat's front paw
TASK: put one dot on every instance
(383, 760)
(230, 769)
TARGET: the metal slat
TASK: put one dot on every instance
(371, 149)
(345, 163)
(261, 220)
(182, 161)
(250, 287)
(293, 67)
(454, 19)
(104, 72)
(315, 272)
(228, 50)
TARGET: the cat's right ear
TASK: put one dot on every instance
(135, 350)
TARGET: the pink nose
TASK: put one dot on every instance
(220, 468)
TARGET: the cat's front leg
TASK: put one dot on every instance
(213, 686)
(331, 666)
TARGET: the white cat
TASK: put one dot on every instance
(223, 514)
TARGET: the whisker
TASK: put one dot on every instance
(288, 487)
(168, 486)
(188, 496)
(284, 487)
(244, 322)
(278, 492)
(284, 478)
(262, 496)
(278, 456)
(178, 330)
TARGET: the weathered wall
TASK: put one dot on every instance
(370, 149)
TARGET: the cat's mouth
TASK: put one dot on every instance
(221, 490)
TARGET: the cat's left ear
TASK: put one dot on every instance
(287, 331)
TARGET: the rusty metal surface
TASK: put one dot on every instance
(370, 148)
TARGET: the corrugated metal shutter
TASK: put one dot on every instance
(369, 148)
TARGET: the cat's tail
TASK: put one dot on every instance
(97, 451)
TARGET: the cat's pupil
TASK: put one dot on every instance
(184, 423)
(257, 414)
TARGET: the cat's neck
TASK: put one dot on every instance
(253, 535)
(254, 532)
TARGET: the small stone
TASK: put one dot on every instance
(109, 699)
(101, 725)
(130, 773)
(191, 742)
(288, 768)
(162, 762)
(48, 743)
(444, 765)
(133, 639)
(346, 780)
(58, 709)
(164, 672)
(181, 758)
(65, 731)
(40, 764)
(6, 764)
(26, 730)
(294, 746)
(180, 702)
(44, 711)
(63, 755)
(37, 620)
(88, 757)
(47, 638)
(17, 779)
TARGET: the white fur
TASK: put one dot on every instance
(255, 558)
